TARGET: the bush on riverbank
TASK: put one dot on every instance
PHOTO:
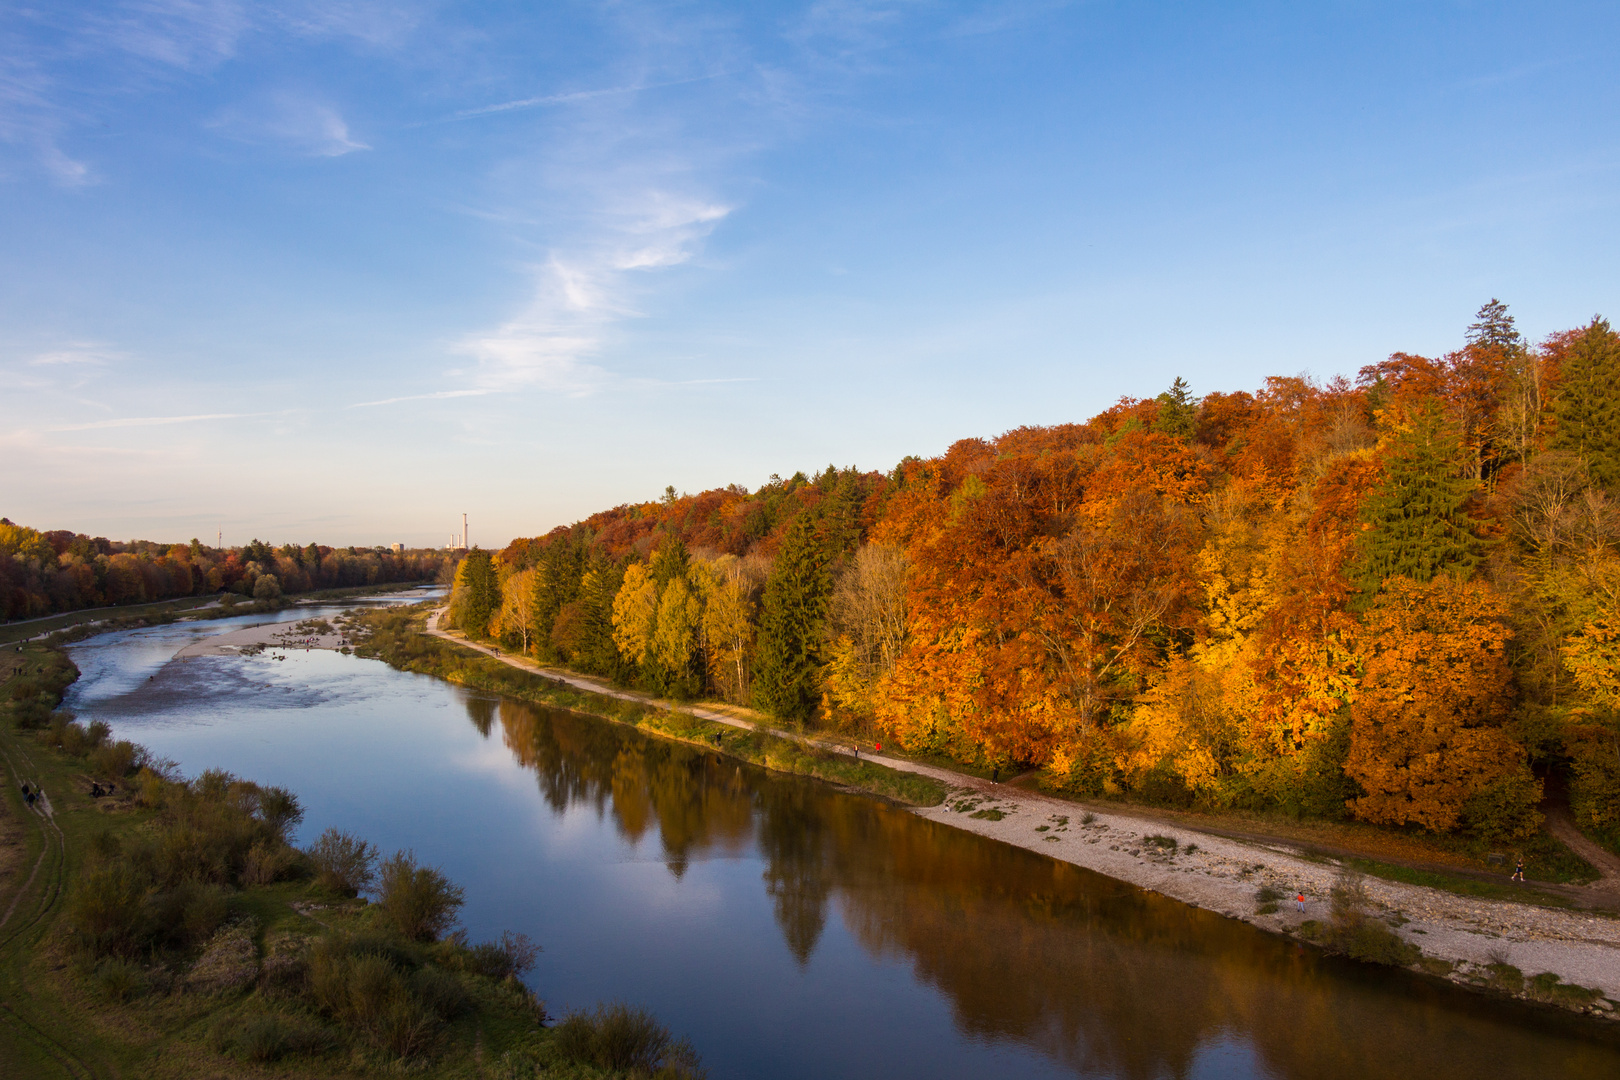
(608, 1042)
(1353, 932)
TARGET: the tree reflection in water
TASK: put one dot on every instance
(1098, 975)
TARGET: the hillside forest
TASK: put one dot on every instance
(1394, 599)
(46, 573)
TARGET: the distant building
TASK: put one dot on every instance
(397, 549)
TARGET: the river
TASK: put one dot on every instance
(791, 930)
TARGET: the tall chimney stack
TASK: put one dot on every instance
(464, 533)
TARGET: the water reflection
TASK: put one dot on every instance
(1102, 977)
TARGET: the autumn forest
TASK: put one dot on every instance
(45, 573)
(1394, 599)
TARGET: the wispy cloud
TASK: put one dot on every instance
(418, 397)
(192, 35)
(30, 119)
(59, 69)
(379, 23)
(77, 353)
(580, 293)
(304, 126)
(153, 421)
(576, 96)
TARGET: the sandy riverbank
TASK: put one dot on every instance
(305, 634)
(316, 632)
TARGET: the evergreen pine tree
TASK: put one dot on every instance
(1494, 328)
(557, 576)
(596, 650)
(670, 561)
(1417, 526)
(787, 665)
(1178, 410)
(1588, 403)
(476, 594)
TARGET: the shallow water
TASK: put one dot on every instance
(788, 929)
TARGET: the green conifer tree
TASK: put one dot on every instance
(787, 665)
(1416, 524)
(1178, 410)
(670, 561)
(1588, 403)
(597, 652)
(557, 576)
(476, 594)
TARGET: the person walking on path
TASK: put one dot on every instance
(1518, 870)
(1300, 900)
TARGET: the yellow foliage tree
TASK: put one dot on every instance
(674, 639)
(635, 614)
(1593, 659)
(515, 617)
(728, 623)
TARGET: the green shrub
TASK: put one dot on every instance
(1375, 943)
(118, 980)
(440, 992)
(114, 761)
(510, 957)
(1504, 976)
(279, 808)
(189, 913)
(267, 862)
(405, 1029)
(1163, 843)
(1358, 936)
(203, 912)
(107, 909)
(74, 738)
(624, 1039)
(267, 1037)
(373, 985)
(343, 862)
(418, 900)
(363, 984)
(1505, 810)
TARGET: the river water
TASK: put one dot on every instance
(788, 929)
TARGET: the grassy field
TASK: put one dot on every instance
(72, 1005)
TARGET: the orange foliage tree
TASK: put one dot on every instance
(1427, 743)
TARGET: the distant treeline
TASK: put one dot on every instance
(43, 573)
(1396, 598)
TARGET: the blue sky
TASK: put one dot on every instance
(344, 270)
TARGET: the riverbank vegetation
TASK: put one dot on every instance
(42, 573)
(396, 636)
(164, 926)
(1394, 600)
